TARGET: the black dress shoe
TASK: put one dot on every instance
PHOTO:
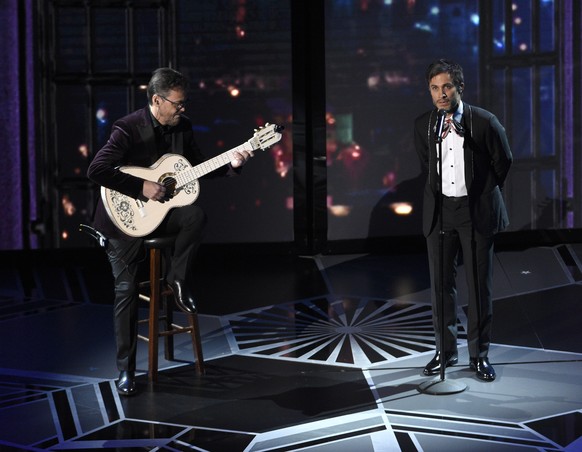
(183, 297)
(483, 369)
(126, 383)
(434, 366)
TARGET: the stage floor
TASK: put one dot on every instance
(319, 353)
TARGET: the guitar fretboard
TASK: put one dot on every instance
(196, 172)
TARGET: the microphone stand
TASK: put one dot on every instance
(441, 386)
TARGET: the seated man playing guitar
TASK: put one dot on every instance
(140, 139)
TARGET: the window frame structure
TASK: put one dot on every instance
(559, 163)
(92, 74)
(310, 226)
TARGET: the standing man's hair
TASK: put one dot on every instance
(164, 80)
(446, 66)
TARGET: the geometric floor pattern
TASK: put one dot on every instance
(345, 331)
(325, 354)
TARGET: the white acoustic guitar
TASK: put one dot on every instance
(140, 217)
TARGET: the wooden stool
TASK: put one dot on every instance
(156, 293)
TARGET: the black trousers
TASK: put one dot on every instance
(187, 224)
(460, 237)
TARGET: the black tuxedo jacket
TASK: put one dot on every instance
(133, 142)
(487, 162)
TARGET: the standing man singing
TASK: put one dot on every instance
(140, 139)
(475, 162)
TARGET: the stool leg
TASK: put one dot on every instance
(196, 342)
(154, 327)
(169, 339)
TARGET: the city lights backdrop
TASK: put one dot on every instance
(238, 56)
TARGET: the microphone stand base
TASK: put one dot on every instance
(441, 387)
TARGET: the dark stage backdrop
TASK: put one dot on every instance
(17, 132)
(376, 56)
(238, 55)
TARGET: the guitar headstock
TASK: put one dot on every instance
(266, 136)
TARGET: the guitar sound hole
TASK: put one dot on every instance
(170, 184)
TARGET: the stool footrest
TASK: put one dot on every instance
(143, 338)
(160, 318)
(177, 330)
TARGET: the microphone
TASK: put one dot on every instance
(438, 128)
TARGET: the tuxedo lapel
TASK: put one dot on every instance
(467, 123)
(432, 151)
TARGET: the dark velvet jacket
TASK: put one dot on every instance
(133, 142)
(487, 161)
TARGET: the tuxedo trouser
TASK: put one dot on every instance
(187, 224)
(461, 239)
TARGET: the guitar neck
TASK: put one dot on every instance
(196, 172)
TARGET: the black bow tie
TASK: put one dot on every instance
(452, 124)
